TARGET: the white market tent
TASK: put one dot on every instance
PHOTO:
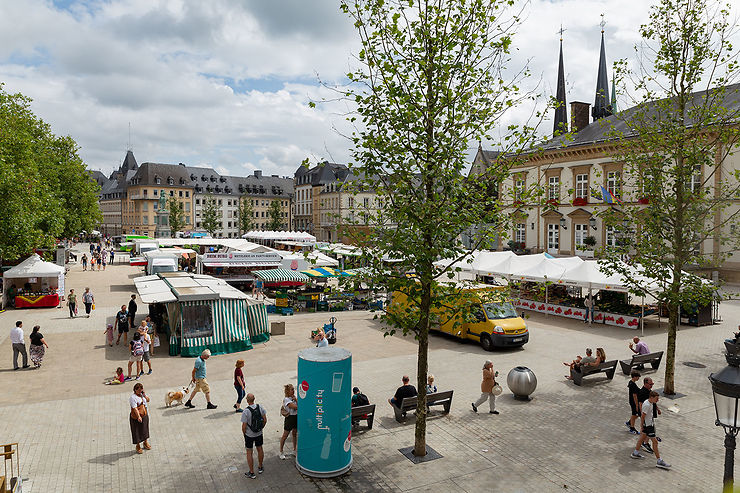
(299, 261)
(231, 244)
(298, 236)
(49, 275)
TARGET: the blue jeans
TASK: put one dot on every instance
(240, 392)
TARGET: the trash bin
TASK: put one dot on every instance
(522, 382)
(277, 328)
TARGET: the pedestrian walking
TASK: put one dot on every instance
(648, 430)
(104, 258)
(588, 302)
(290, 424)
(84, 261)
(112, 256)
(633, 390)
(132, 311)
(146, 342)
(121, 323)
(37, 346)
(199, 379)
(98, 259)
(139, 418)
(486, 388)
(72, 303)
(92, 262)
(89, 300)
(19, 346)
(239, 385)
(254, 419)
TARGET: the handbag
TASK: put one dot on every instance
(93, 306)
(497, 390)
(141, 408)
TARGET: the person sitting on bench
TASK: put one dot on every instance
(359, 399)
(405, 390)
(585, 360)
(638, 347)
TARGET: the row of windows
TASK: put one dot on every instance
(553, 235)
(234, 203)
(234, 225)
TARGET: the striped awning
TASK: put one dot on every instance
(328, 272)
(281, 275)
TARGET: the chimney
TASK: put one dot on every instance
(258, 173)
(579, 116)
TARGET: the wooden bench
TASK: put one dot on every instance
(443, 399)
(608, 367)
(366, 412)
(640, 360)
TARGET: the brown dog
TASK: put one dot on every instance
(175, 395)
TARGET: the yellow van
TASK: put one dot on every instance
(492, 320)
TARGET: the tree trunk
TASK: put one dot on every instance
(420, 438)
(670, 354)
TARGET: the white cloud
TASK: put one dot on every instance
(228, 83)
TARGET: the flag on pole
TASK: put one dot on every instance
(608, 197)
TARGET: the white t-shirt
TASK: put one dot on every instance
(145, 340)
(136, 401)
(323, 343)
(291, 411)
(647, 409)
(16, 335)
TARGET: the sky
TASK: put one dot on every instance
(227, 83)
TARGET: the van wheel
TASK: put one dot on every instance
(486, 342)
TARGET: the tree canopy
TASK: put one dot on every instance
(211, 219)
(46, 188)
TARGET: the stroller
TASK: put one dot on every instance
(331, 331)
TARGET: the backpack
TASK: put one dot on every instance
(137, 349)
(257, 422)
(362, 400)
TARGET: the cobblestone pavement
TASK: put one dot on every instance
(74, 433)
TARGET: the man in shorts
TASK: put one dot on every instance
(633, 390)
(253, 438)
(642, 397)
(199, 379)
(121, 323)
(648, 430)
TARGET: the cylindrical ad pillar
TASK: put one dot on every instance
(324, 412)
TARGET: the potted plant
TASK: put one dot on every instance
(589, 242)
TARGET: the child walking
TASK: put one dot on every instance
(109, 334)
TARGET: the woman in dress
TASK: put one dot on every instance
(38, 346)
(139, 418)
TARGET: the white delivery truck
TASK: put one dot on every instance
(157, 261)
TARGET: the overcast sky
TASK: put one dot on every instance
(226, 83)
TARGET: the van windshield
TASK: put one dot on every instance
(499, 310)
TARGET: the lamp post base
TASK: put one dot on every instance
(728, 480)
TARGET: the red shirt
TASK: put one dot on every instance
(238, 373)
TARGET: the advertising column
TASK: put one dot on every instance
(324, 412)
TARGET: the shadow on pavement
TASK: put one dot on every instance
(111, 459)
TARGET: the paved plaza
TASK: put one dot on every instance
(74, 432)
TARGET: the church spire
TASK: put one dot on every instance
(614, 94)
(560, 126)
(601, 107)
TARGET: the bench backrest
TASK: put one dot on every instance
(595, 369)
(644, 358)
(410, 402)
(361, 410)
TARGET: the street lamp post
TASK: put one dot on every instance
(726, 390)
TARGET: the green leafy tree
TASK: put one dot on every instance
(245, 211)
(211, 214)
(177, 216)
(275, 215)
(429, 83)
(45, 185)
(679, 182)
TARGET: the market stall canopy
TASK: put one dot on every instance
(328, 272)
(545, 269)
(298, 236)
(33, 266)
(182, 286)
(299, 261)
(477, 260)
(281, 275)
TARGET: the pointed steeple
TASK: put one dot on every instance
(560, 126)
(129, 162)
(614, 94)
(601, 107)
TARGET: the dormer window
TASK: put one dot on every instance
(203, 178)
(218, 189)
(192, 177)
(222, 179)
(213, 178)
(157, 180)
(241, 188)
(227, 190)
(170, 180)
(182, 180)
